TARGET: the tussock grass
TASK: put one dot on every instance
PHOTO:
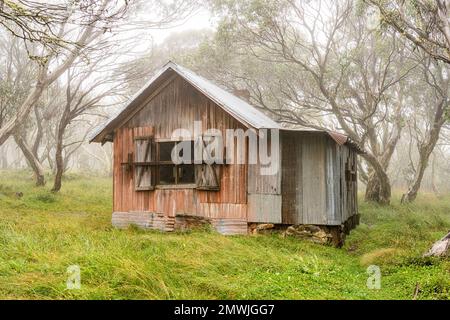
(41, 234)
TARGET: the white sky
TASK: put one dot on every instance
(148, 38)
(200, 20)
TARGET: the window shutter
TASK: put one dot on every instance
(207, 176)
(144, 173)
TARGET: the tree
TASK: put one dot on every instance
(55, 64)
(425, 23)
(37, 22)
(14, 86)
(428, 115)
(322, 71)
(84, 93)
(55, 38)
(84, 27)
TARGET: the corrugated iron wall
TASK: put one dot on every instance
(314, 186)
(264, 192)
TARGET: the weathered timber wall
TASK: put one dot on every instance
(178, 105)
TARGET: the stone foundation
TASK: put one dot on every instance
(331, 235)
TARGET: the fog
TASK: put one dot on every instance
(315, 65)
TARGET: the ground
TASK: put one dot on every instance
(42, 234)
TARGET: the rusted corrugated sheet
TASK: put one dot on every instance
(313, 177)
(230, 226)
(340, 138)
(146, 220)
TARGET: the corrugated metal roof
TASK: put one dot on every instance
(236, 107)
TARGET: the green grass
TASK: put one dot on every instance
(42, 234)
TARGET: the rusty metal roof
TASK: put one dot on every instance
(340, 138)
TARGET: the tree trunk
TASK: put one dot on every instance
(4, 158)
(378, 190)
(372, 189)
(59, 161)
(413, 189)
(425, 150)
(433, 177)
(440, 248)
(10, 126)
(39, 133)
(378, 187)
(34, 163)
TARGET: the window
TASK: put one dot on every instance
(153, 166)
(350, 171)
(170, 173)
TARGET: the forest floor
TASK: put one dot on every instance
(42, 234)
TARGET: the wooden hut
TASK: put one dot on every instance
(316, 183)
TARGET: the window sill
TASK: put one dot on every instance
(175, 186)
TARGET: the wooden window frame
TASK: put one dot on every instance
(177, 184)
(155, 163)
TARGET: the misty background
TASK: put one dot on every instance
(318, 64)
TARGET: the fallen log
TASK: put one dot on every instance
(440, 248)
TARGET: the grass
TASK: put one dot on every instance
(42, 234)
